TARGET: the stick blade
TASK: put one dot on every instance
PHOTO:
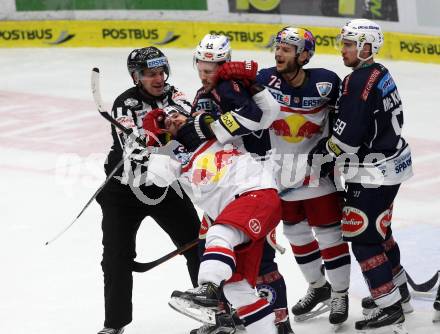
(96, 92)
(425, 286)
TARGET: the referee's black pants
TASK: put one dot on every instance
(122, 216)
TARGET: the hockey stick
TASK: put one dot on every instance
(140, 140)
(273, 243)
(137, 267)
(98, 101)
(425, 286)
(120, 163)
(140, 267)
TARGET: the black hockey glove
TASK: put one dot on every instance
(255, 88)
(196, 130)
(319, 159)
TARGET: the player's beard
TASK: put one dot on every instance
(207, 85)
(291, 67)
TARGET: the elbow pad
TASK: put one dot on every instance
(268, 105)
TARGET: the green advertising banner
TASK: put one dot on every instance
(42, 5)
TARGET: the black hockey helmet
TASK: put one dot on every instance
(149, 57)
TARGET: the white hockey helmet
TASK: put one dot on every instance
(363, 31)
(302, 38)
(213, 48)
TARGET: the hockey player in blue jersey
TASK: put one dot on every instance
(307, 98)
(366, 139)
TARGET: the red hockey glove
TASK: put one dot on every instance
(245, 71)
(153, 125)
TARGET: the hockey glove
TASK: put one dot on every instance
(153, 125)
(136, 152)
(319, 159)
(245, 71)
(255, 88)
(195, 131)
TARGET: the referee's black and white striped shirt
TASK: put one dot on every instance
(130, 109)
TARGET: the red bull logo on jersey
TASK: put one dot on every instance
(294, 128)
(211, 168)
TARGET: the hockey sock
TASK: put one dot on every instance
(336, 256)
(377, 271)
(218, 264)
(393, 253)
(256, 313)
(305, 249)
(218, 261)
(273, 287)
(257, 317)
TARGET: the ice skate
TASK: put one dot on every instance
(225, 324)
(282, 321)
(201, 303)
(383, 320)
(338, 309)
(368, 304)
(106, 330)
(436, 318)
(284, 327)
(314, 303)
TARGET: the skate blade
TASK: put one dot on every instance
(196, 312)
(336, 328)
(322, 308)
(436, 318)
(406, 308)
(219, 330)
(391, 329)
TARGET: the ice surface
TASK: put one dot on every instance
(52, 145)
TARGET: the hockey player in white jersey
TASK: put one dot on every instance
(240, 194)
(307, 98)
(228, 101)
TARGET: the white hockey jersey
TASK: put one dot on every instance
(214, 174)
(302, 121)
